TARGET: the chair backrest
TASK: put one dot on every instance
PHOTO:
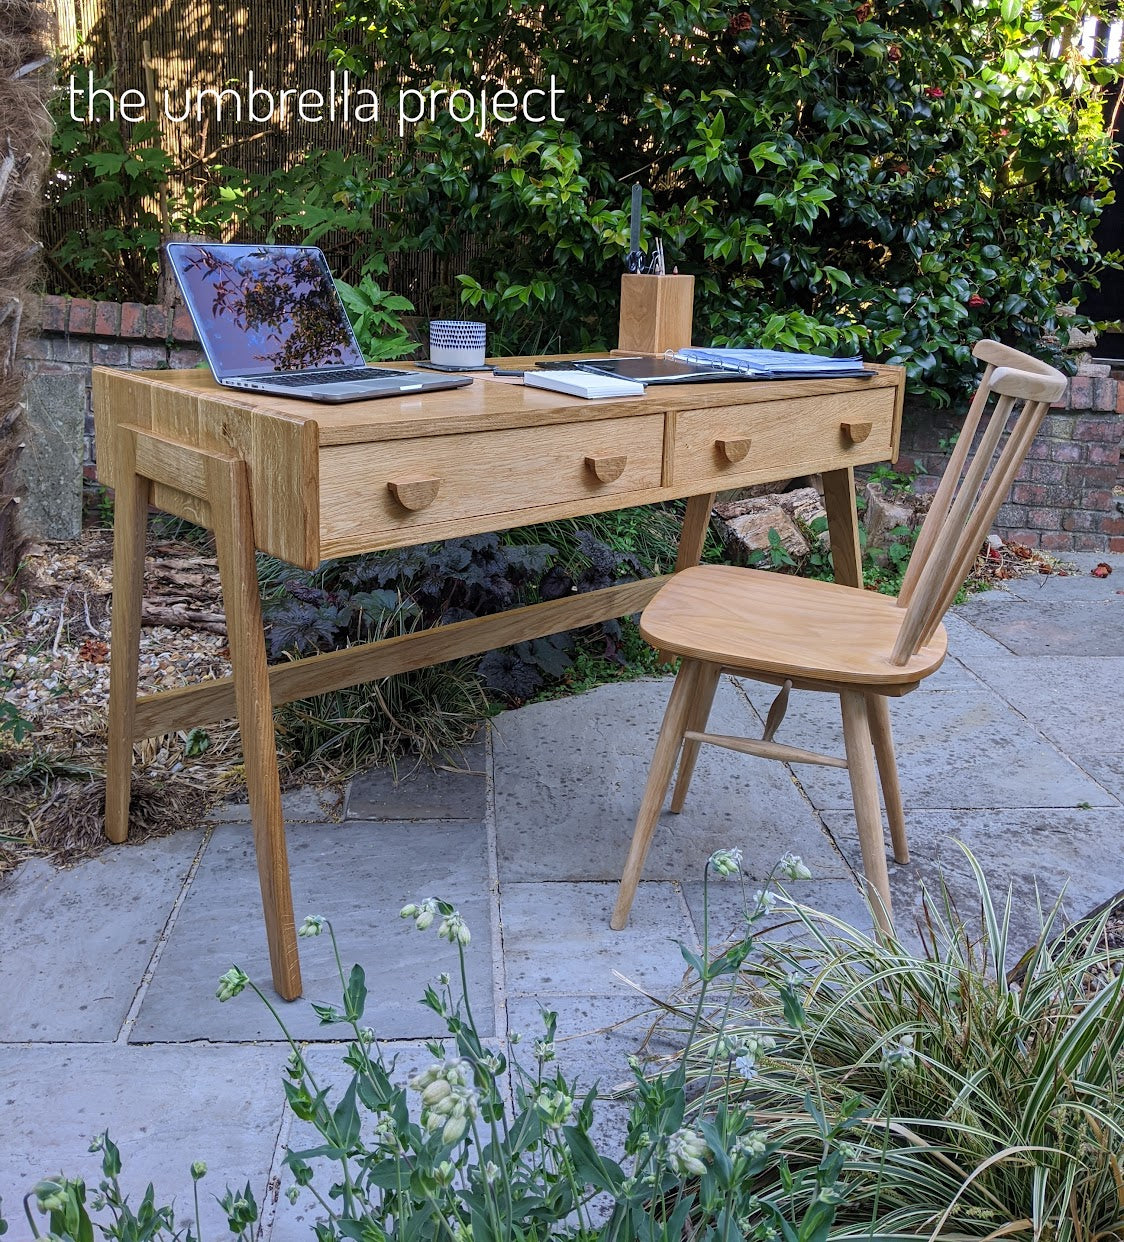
(973, 487)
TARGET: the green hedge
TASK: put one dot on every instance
(893, 178)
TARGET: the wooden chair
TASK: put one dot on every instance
(808, 635)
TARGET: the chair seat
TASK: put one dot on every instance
(756, 621)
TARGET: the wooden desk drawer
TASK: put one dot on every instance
(370, 494)
(737, 444)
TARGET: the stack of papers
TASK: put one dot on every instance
(773, 363)
(583, 384)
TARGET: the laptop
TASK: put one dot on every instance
(271, 320)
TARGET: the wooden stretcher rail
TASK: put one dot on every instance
(214, 700)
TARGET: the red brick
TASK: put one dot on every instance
(81, 318)
(1081, 393)
(1012, 515)
(133, 319)
(52, 313)
(1101, 501)
(1120, 398)
(148, 356)
(67, 349)
(34, 347)
(1039, 450)
(107, 319)
(156, 323)
(1116, 543)
(1029, 538)
(1101, 477)
(1104, 394)
(1029, 494)
(181, 359)
(1088, 543)
(1112, 526)
(1045, 472)
(1056, 542)
(182, 327)
(1065, 450)
(1103, 430)
(110, 354)
(1042, 518)
(1103, 454)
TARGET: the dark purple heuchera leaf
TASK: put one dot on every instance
(506, 674)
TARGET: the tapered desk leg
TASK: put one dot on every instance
(229, 495)
(130, 514)
(692, 536)
(843, 525)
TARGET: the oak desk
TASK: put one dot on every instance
(305, 482)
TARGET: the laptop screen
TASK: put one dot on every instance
(263, 309)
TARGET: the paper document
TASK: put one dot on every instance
(773, 363)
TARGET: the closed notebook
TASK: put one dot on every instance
(583, 384)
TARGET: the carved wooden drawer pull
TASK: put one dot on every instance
(856, 432)
(733, 450)
(416, 492)
(607, 469)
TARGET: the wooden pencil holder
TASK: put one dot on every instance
(656, 313)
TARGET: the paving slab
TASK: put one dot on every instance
(1074, 700)
(594, 1039)
(1107, 770)
(78, 941)
(164, 1108)
(569, 776)
(1037, 853)
(968, 646)
(557, 940)
(360, 876)
(1051, 628)
(295, 1222)
(307, 804)
(1078, 584)
(454, 789)
(727, 903)
(956, 749)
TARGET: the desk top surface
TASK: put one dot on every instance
(495, 402)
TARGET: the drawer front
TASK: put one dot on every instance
(735, 445)
(367, 490)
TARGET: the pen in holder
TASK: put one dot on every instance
(656, 313)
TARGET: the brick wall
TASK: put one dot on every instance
(77, 333)
(1067, 498)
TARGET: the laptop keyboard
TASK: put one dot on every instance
(345, 375)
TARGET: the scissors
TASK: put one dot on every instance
(635, 258)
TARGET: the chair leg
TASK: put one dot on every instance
(868, 812)
(879, 713)
(659, 777)
(697, 716)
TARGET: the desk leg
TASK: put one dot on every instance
(692, 536)
(843, 525)
(696, 519)
(130, 516)
(229, 495)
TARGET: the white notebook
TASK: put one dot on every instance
(583, 384)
